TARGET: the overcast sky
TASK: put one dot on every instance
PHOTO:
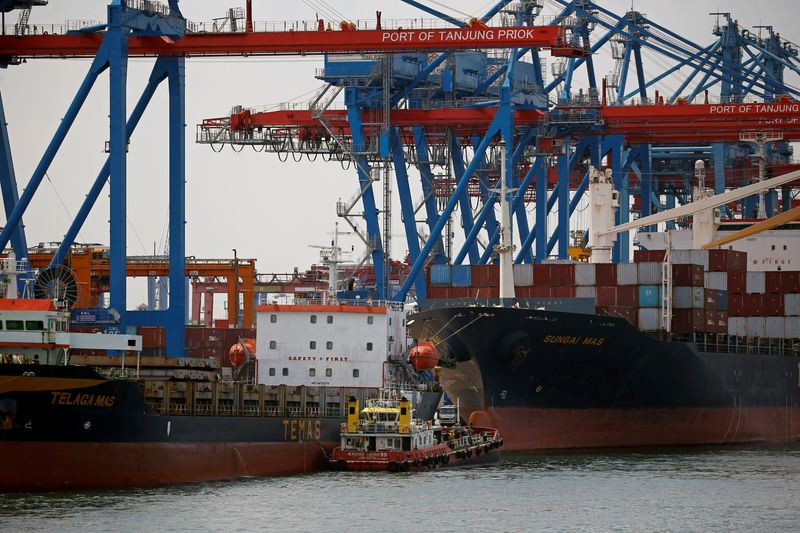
(250, 201)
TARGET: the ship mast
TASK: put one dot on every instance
(506, 247)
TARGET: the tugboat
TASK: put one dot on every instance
(385, 436)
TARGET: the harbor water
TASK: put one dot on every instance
(735, 489)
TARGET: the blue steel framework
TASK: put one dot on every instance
(741, 64)
(123, 21)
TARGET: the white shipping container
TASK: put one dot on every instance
(699, 257)
(756, 283)
(681, 257)
(737, 326)
(756, 326)
(716, 280)
(775, 327)
(650, 273)
(523, 275)
(584, 274)
(791, 304)
(584, 291)
(649, 319)
(627, 274)
(792, 327)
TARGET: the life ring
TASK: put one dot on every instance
(405, 429)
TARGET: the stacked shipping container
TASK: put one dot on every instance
(712, 291)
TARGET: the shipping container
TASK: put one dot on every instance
(737, 326)
(649, 319)
(791, 304)
(736, 304)
(606, 296)
(584, 291)
(650, 273)
(727, 261)
(440, 275)
(585, 274)
(437, 292)
(688, 320)
(605, 274)
(699, 257)
(627, 274)
(541, 292)
(485, 275)
(688, 275)
(461, 275)
(722, 322)
(753, 305)
(756, 326)
(790, 281)
(627, 296)
(772, 282)
(649, 256)
(792, 327)
(711, 321)
(688, 298)
(775, 327)
(773, 305)
(628, 313)
(649, 295)
(722, 301)
(716, 280)
(466, 292)
(523, 275)
(541, 275)
(681, 257)
(710, 299)
(562, 275)
(756, 282)
(562, 292)
(737, 282)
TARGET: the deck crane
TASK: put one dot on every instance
(150, 29)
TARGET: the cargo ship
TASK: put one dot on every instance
(92, 421)
(680, 347)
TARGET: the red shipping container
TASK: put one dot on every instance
(737, 282)
(152, 337)
(628, 296)
(606, 296)
(773, 304)
(541, 275)
(736, 304)
(790, 282)
(772, 282)
(562, 275)
(711, 322)
(463, 292)
(688, 276)
(562, 292)
(753, 305)
(688, 320)
(727, 261)
(485, 275)
(649, 256)
(710, 296)
(438, 292)
(540, 292)
(605, 274)
(722, 322)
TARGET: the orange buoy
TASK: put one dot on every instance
(237, 353)
(424, 356)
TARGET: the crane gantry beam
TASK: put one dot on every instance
(295, 42)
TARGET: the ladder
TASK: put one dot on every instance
(22, 24)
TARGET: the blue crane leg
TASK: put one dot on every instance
(407, 208)
(8, 185)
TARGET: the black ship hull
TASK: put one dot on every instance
(68, 427)
(551, 380)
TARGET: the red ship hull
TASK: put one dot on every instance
(543, 429)
(82, 465)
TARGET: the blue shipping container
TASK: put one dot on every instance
(722, 300)
(440, 275)
(649, 295)
(461, 275)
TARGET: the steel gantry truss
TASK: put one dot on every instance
(443, 115)
(145, 28)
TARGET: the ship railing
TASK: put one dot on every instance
(742, 345)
